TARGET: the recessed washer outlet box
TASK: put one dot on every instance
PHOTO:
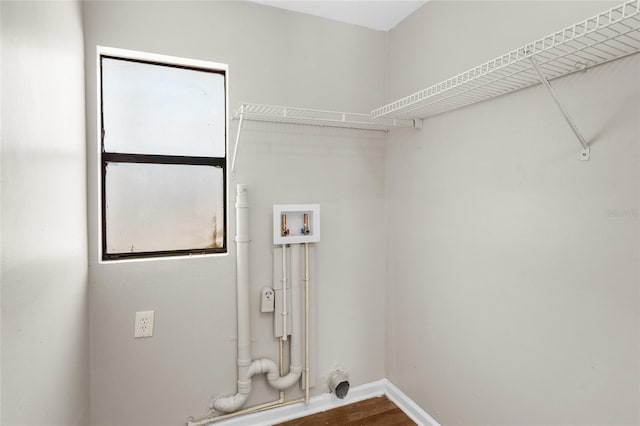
(296, 223)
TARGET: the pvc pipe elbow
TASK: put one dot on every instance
(265, 365)
(260, 366)
(287, 381)
(230, 404)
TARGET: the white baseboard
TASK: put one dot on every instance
(406, 404)
(328, 401)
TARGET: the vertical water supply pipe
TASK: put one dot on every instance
(295, 364)
(295, 342)
(284, 292)
(306, 323)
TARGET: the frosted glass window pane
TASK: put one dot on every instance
(157, 109)
(158, 207)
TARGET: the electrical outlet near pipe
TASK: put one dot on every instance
(267, 300)
(144, 324)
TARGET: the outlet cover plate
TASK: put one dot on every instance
(144, 324)
(267, 299)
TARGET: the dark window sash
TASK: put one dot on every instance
(164, 253)
(160, 159)
(163, 64)
(113, 157)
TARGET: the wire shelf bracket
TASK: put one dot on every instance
(311, 117)
(585, 153)
(610, 35)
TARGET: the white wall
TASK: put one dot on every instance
(0, 220)
(512, 268)
(45, 369)
(275, 57)
(513, 272)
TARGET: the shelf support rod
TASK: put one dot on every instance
(584, 154)
(235, 149)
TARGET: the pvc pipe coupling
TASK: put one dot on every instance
(338, 383)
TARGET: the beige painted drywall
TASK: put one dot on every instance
(0, 221)
(274, 57)
(513, 268)
(512, 282)
(45, 371)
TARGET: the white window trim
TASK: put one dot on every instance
(161, 59)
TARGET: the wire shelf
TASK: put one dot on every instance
(310, 117)
(609, 35)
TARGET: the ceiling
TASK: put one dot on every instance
(380, 15)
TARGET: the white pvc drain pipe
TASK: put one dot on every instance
(246, 367)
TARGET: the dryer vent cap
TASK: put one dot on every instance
(338, 383)
(342, 389)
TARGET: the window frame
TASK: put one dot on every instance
(103, 157)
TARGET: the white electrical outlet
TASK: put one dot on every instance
(144, 324)
(268, 299)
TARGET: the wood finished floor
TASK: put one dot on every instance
(375, 411)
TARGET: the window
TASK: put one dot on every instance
(162, 154)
